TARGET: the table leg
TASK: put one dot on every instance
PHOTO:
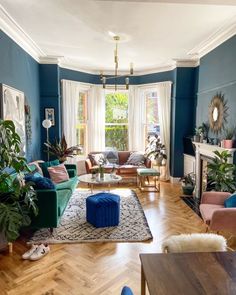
(143, 283)
(91, 188)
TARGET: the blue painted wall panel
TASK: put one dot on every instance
(19, 70)
(217, 74)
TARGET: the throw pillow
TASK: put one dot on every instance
(58, 173)
(98, 159)
(36, 165)
(230, 202)
(136, 159)
(40, 182)
(112, 156)
(44, 166)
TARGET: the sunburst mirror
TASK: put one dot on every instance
(218, 113)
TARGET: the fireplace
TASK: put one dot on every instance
(204, 154)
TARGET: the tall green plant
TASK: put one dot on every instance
(17, 199)
(221, 173)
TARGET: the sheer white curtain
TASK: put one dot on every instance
(96, 119)
(164, 99)
(136, 119)
(70, 96)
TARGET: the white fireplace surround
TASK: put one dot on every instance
(207, 150)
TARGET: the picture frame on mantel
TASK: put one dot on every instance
(50, 115)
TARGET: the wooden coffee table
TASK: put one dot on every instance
(107, 180)
(211, 273)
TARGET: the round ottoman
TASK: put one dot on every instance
(103, 209)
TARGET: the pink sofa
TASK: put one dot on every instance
(214, 214)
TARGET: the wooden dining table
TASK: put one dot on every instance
(189, 273)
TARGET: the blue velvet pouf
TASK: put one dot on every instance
(103, 209)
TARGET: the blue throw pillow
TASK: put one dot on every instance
(32, 177)
(44, 183)
(44, 166)
(230, 202)
(40, 182)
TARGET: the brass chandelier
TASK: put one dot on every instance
(116, 59)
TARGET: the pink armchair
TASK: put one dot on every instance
(215, 215)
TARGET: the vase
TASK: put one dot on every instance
(228, 143)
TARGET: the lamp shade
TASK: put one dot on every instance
(47, 123)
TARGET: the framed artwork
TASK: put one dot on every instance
(50, 115)
(12, 107)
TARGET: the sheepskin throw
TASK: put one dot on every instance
(195, 243)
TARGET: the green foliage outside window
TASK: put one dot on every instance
(116, 129)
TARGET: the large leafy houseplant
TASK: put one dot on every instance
(155, 150)
(60, 149)
(17, 199)
(221, 173)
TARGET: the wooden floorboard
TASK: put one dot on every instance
(98, 268)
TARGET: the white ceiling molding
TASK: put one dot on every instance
(13, 30)
(187, 63)
(205, 2)
(216, 39)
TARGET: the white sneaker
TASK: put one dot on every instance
(27, 254)
(41, 251)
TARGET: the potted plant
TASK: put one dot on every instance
(61, 150)
(17, 199)
(155, 150)
(229, 141)
(188, 183)
(221, 174)
(198, 132)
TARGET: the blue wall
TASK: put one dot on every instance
(50, 98)
(183, 115)
(19, 70)
(217, 73)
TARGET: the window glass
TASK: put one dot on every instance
(116, 121)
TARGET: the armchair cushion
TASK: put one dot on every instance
(216, 198)
(207, 211)
(230, 202)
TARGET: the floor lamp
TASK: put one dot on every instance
(47, 124)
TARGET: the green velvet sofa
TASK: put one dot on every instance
(52, 202)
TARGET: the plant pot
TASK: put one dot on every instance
(187, 189)
(196, 138)
(228, 143)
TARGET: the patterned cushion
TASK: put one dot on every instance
(136, 158)
(112, 156)
(44, 166)
(58, 173)
(97, 159)
(230, 202)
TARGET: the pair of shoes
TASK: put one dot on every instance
(36, 252)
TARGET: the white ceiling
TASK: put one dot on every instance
(152, 33)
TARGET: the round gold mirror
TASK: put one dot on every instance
(218, 113)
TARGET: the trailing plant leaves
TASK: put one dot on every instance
(10, 221)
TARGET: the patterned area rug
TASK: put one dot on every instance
(73, 228)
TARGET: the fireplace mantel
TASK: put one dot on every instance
(206, 150)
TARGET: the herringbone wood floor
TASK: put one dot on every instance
(98, 268)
